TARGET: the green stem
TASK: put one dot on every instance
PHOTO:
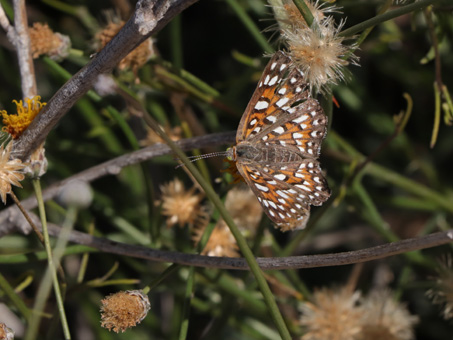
(436, 115)
(176, 42)
(387, 16)
(370, 211)
(390, 176)
(303, 9)
(49, 277)
(187, 302)
(16, 300)
(250, 25)
(85, 258)
(254, 267)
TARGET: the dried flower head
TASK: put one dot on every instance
(220, 243)
(15, 124)
(288, 15)
(182, 206)
(44, 41)
(6, 333)
(134, 60)
(385, 318)
(442, 293)
(152, 137)
(244, 208)
(124, 310)
(332, 315)
(36, 166)
(318, 51)
(11, 171)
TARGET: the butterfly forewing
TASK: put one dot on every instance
(278, 89)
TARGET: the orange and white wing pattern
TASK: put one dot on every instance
(278, 143)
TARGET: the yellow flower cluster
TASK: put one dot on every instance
(15, 124)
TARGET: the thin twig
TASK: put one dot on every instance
(23, 50)
(266, 263)
(27, 217)
(10, 32)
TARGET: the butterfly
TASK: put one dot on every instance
(278, 142)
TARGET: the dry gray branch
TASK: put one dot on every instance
(266, 263)
(9, 221)
(149, 17)
(23, 50)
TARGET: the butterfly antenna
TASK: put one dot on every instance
(206, 155)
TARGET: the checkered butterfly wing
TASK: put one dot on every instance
(281, 111)
(286, 192)
(285, 127)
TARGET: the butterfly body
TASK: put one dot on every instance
(274, 154)
(278, 143)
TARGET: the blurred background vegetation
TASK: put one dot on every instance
(211, 41)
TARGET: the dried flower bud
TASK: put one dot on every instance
(221, 242)
(183, 206)
(124, 310)
(11, 171)
(37, 165)
(44, 41)
(134, 60)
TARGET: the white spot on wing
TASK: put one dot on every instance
(300, 119)
(261, 187)
(281, 193)
(303, 187)
(280, 177)
(253, 122)
(266, 81)
(273, 66)
(282, 67)
(261, 105)
(282, 91)
(272, 119)
(297, 135)
(279, 130)
(273, 81)
(282, 102)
